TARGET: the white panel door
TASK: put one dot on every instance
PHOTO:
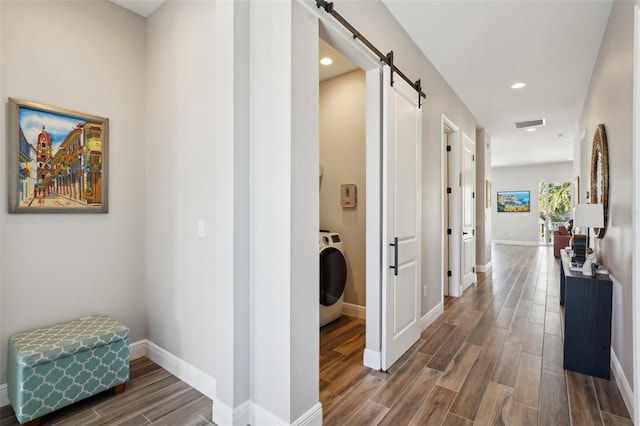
(468, 212)
(401, 222)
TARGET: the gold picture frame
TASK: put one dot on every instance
(487, 194)
(58, 160)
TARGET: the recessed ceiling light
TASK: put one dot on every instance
(326, 61)
(530, 129)
(518, 85)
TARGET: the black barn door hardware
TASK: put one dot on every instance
(394, 244)
(387, 59)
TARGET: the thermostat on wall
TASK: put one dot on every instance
(348, 195)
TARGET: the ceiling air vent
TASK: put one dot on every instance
(532, 123)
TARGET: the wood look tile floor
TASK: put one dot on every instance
(493, 358)
(152, 397)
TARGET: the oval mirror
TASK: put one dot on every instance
(600, 175)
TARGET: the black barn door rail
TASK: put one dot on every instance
(387, 59)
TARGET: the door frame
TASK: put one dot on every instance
(341, 40)
(634, 405)
(635, 268)
(463, 268)
(450, 252)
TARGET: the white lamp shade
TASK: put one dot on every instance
(588, 215)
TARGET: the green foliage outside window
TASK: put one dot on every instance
(559, 201)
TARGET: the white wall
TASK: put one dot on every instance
(232, 298)
(180, 76)
(610, 101)
(342, 154)
(87, 57)
(523, 228)
(483, 213)
(284, 210)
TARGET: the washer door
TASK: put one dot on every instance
(333, 275)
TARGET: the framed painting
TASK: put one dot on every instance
(58, 160)
(513, 201)
(487, 193)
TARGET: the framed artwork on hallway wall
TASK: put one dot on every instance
(487, 193)
(513, 201)
(58, 160)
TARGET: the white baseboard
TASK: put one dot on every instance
(623, 384)
(222, 414)
(4, 395)
(241, 415)
(138, 349)
(225, 415)
(515, 243)
(618, 373)
(262, 417)
(483, 268)
(182, 370)
(428, 318)
(372, 359)
(255, 414)
(313, 417)
(352, 310)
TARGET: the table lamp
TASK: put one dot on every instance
(589, 216)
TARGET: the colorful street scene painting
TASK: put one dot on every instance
(513, 202)
(61, 160)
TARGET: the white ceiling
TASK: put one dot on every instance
(143, 8)
(341, 64)
(482, 47)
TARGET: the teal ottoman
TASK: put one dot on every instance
(53, 367)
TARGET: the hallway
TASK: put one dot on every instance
(494, 357)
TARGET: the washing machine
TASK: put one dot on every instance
(333, 276)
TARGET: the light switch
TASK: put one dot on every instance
(201, 228)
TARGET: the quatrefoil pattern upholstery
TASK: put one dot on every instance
(53, 367)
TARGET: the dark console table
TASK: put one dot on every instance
(587, 320)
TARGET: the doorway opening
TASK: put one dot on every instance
(555, 201)
(342, 140)
(388, 327)
(343, 204)
(451, 279)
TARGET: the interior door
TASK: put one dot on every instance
(446, 257)
(401, 221)
(453, 271)
(468, 260)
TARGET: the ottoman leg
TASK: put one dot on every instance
(119, 388)
(34, 422)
